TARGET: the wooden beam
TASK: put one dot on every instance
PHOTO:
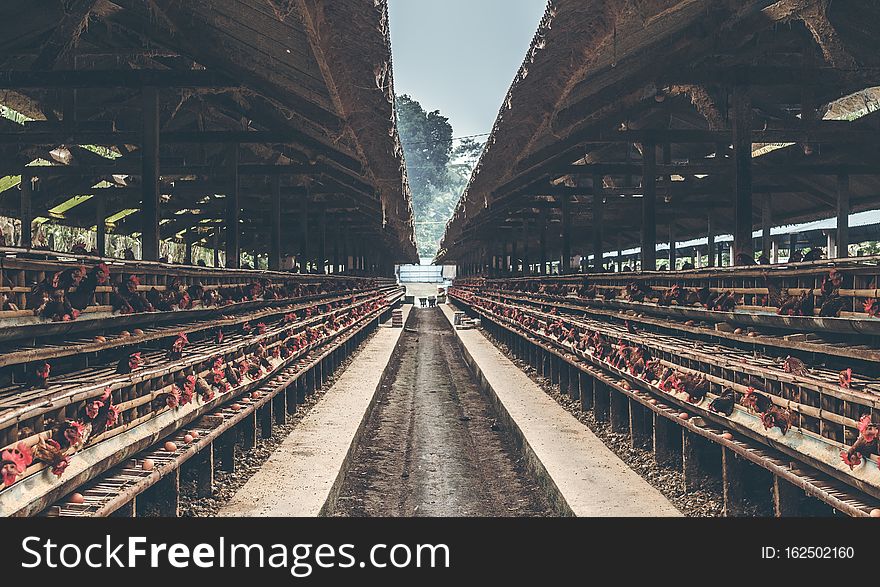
(598, 221)
(649, 207)
(710, 233)
(766, 225)
(101, 224)
(150, 175)
(565, 254)
(741, 113)
(65, 35)
(26, 211)
(114, 78)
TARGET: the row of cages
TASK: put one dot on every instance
(74, 400)
(818, 403)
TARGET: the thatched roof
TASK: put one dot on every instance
(596, 67)
(317, 72)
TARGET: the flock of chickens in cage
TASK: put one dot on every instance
(64, 294)
(637, 361)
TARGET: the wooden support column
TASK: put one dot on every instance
(618, 411)
(585, 385)
(27, 215)
(101, 225)
(275, 220)
(525, 241)
(843, 216)
(788, 499)
(672, 256)
(564, 376)
(162, 500)
(247, 429)
(565, 255)
(266, 418)
(601, 400)
(598, 221)
(233, 213)
(649, 206)
(322, 235)
(664, 443)
(225, 445)
(710, 248)
(304, 230)
(741, 113)
(766, 225)
(217, 245)
(733, 471)
(543, 270)
(693, 459)
(639, 424)
(188, 251)
(150, 175)
(199, 470)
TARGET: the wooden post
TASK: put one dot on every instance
(710, 234)
(150, 176)
(275, 249)
(766, 225)
(304, 231)
(601, 400)
(672, 246)
(565, 255)
(101, 225)
(640, 435)
(649, 206)
(618, 410)
(27, 215)
(733, 471)
(788, 499)
(585, 383)
(322, 228)
(693, 467)
(266, 420)
(742, 177)
(200, 470)
(233, 213)
(664, 447)
(543, 270)
(248, 430)
(163, 498)
(843, 216)
(217, 245)
(598, 221)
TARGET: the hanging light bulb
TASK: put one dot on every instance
(61, 154)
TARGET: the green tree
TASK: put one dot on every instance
(438, 171)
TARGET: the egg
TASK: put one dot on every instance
(194, 433)
(257, 394)
(245, 400)
(137, 332)
(738, 331)
(753, 335)
(100, 339)
(625, 385)
(77, 498)
(148, 465)
(689, 323)
(188, 438)
(170, 446)
(125, 333)
(684, 415)
(652, 401)
(235, 407)
(875, 513)
(727, 436)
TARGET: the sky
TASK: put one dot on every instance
(460, 56)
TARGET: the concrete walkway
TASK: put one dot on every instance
(582, 475)
(302, 477)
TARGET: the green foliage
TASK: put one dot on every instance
(438, 171)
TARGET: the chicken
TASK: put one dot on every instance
(85, 291)
(695, 386)
(637, 291)
(205, 391)
(218, 336)
(872, 307)
(795, 366)
(39, 377)
(867, 443)
(723, 404)
(756, 402)
(178, 345)
(777, 417)
(49, 451)
(126, 298)
(14, 461)
(788, 305)
(130, 363)
(101, 412)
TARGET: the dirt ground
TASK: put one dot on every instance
(432, 446)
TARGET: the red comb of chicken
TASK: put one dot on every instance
(872, 307)
(93, 407)
(867, 429)
(133, 280)
(14, 462)
(218, 338)
(44, 370)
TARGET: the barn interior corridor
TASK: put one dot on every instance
(433, 445)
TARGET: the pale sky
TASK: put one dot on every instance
(460, 56)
